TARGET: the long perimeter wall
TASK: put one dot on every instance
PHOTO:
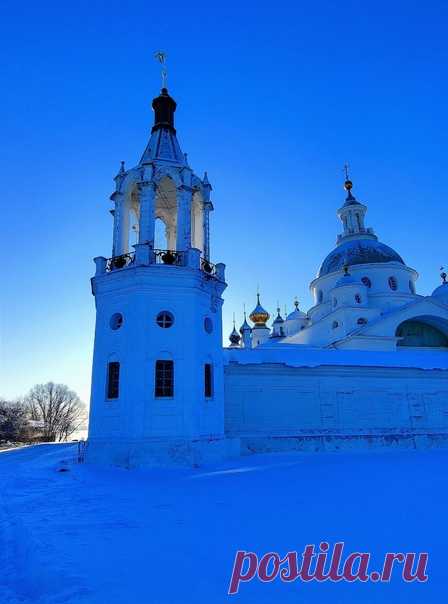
(273, 407)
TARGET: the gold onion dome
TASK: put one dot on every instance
(259, 315)
(348, 185)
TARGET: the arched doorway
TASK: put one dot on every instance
(422, 332)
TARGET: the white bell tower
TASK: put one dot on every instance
(157, 379)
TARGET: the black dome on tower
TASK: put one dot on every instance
(164, 107)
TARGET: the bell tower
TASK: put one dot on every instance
(157, 379)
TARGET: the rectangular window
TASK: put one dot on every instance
(164, 386)
(113, 379)
(208, 380)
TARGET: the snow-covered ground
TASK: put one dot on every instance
(108, 536)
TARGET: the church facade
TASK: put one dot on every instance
(366, 366)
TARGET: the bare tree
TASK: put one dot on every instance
(13, 421)
(58, 408)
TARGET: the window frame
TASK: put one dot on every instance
(366, 281)
(113, 381)
(116, 321)
(208, 381)
(393, 283)
(161, 316)
(164, 378)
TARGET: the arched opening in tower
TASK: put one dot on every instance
(166, 212)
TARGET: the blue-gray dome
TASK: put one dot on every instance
(358, 251)
(441, 293)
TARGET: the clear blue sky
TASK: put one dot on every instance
(273, 98)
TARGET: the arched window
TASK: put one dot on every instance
(362, 321)
(358, 299)
(335, 301)
(320, 296)
(366, 282)
(335, 324)
(393, 284)
(116, 321)
(411, 286)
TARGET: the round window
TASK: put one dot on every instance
(366, 282)
(208, 325)
(165, 319)
(116, 321)
(393, 284)
(361, 321)
(335, 324)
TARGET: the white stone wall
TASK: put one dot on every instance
(139, 294)
(269, 400)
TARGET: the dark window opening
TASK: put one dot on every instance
(165, 319)
(393, 284)
(366, 282)
(113, 379)
(208, 380)
(164, 386)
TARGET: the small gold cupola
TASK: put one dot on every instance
(259, 315)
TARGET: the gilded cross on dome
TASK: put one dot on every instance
(160, 56)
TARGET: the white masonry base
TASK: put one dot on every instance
(331, 443)
(154, 452)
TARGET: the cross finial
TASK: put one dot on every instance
(296, 302)
(160, 56)
(346, 168)
(443, 274)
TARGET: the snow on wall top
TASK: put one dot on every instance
(307, 356)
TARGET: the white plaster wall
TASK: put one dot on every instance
(379, 294)
(276, 400)
(140, 294)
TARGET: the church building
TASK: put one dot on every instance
(365, 367)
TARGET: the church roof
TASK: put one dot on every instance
(441, 293)
(163, 145)
(358, 251)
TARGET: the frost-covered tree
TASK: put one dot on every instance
(57, 408)
(13, 421)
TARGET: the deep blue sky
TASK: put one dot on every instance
(273, 98)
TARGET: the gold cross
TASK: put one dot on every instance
(160, 56)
